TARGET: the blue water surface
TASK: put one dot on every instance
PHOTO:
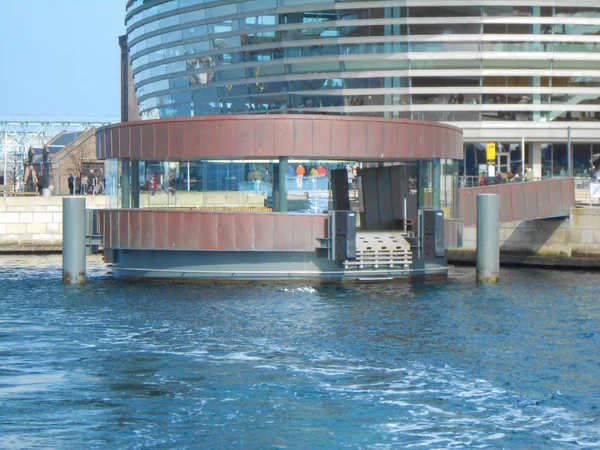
(286, 366)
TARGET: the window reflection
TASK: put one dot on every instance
(219, 185)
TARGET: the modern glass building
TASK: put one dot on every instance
(504, 71)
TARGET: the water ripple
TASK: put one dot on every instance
(409, 365)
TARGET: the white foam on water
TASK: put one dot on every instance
(267, 366)
(238, 356)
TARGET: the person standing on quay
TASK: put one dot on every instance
(30, 179)
(71, 183)
(300, 171)
(91, 181)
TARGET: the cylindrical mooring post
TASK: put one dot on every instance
(73, 253)
(488, 238)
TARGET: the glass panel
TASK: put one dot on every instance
(580, 12)
(577, 81)
(448, 197)
(522, 64)
(418, 82)
(445, 11)
(489, 10)
(398, 64)
(433, 64)
(434, 29)
(582, 154)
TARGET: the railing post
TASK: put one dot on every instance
(73, 253)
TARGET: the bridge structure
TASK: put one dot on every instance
(18, 133)
(528, 200)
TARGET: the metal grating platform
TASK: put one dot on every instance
(381, 249)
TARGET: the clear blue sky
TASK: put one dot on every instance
(60, 57)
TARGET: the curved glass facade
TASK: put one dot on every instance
(441, 62)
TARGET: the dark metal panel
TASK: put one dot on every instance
(244, 232)
(286, 135)
(431, 141)
(467, 206)
(517, 195)
(303, 137)
(161, 229)
(339, 139)
(191, 230)
(453, 144)
(322, 138)
(174, 231)
(506, 210)
(114, 226)
(531, 200)
(263, 232)
(114, 137)
(107, 229)
(196, 139)
(543, 197)
(209, 231)
(177, 141)
(375, 138)
(123, 219)
(161, 140)
(108, 144)
(416, 141)
(135, 141)
(370, 216)
(556, 206)
(147, 141)
(146, 229)
(302, 233)
(226, 135)
(264, 137)
(319, 225)
(393, 140)
(283, 137)
(226, 230)
(358, 139)
(522, 201)
(100, 149)
(134, 229)
(404, 132)
(384, 195)
(124, 142)
(246, 137)
(282, 236)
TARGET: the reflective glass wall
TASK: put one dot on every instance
(257, 186)
(460, 63)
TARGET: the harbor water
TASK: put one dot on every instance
(448, 364)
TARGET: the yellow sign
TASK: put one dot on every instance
(490, 150)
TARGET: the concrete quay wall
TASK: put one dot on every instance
(34, 224)
(569, 242)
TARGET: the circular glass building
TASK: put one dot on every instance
(506, 72)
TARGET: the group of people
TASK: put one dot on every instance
(508, 177)
(299, 172)
(90, 184)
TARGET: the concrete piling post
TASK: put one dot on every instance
(73, 253)
(488, 238)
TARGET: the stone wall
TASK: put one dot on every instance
(574, 241)
(34, 224)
